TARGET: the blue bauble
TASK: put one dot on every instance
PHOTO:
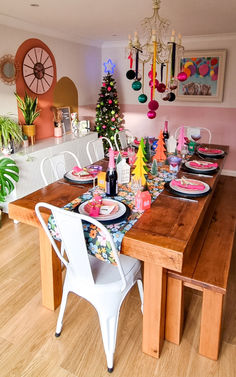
(142, 98)
(136, 85)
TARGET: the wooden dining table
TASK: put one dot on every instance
(161, 238)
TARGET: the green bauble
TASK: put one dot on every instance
(102, 103)
(142, 98)
(112, 112)
(112, 137)
(98, 106)
(111, 83)
(136, 85)
(97, 128)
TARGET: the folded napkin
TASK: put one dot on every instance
(213, 151)
(187, 184)
(204, 165)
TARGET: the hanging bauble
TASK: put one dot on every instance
(142, 98)
(136, 85)
(150, 74)
(102, 103)
(112, 112)
(115, 101)
(116, 115)
(153, 105)
(109, 88)
(173, 84)
(111, 83)
(97, 128)
(130, 74)
(172, 97)
(110, 101)
(113, 119)
(182, 76)
(103, 84)
(151, 83)
(112, 137)
(161, 87)
(104, 127)
(166, 96)
(151, 114)
(98, 106)
(112, 128)
(101, 95)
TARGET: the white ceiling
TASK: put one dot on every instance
(99, 21)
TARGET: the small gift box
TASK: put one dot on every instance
(95, 205)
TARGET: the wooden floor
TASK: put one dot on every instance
(28, 346)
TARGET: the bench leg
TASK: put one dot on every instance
(174, 310)
(212, 306)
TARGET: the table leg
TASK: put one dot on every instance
(51, 276)
(154, 309)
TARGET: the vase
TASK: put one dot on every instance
(58, 131)
(30, 131)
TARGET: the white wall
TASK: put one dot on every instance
(80, 63)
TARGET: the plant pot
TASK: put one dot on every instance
(30, 131)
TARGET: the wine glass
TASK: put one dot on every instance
(174, 163)
(196, 137)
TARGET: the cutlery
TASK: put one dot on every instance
(179, 198)
(207, 157)
(198, 175)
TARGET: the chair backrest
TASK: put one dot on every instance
(189, 131)
(122, 138)
(95, 149)
(70, 227)
(54, 167)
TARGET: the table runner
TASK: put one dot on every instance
(96, 242)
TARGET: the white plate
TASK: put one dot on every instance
(112, 216)
(187, 164)
(77, 179)
(206, 153)
(189, 191)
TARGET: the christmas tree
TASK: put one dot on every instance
(108, 119)
(160, 151)
(154, 168)
(147, 150)
(139, 171)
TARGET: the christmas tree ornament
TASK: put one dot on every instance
(166, 96)
(104, 127)
(182, 76)
(151, 83)
(136, 85)
(161, 87)
(173, 84)
(151, 114)
(153, 105)
(150, 74)
(103, 84)
(130, 74)
(142, 98)
(172, 97)
(160, 150)
(112, 112)
(102, 103)
(139, 170)
(154, 168)
(109, 88)
(110, 101)
(97, 128)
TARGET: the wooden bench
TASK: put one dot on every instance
(207, 270)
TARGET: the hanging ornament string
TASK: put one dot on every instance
(167, 73)
(154, 69)
(137, 59)
(173, 59)
(130, 57)
(143, 79)
(162, 69)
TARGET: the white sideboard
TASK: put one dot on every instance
(28, 160)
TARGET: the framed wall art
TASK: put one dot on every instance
(205, 75)
(65, 119)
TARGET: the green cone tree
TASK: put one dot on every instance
(108, 119)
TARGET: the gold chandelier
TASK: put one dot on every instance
(154, 47)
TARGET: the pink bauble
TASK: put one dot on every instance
(109, 88)
(104, 127)
(151, 114)
(120, 129)
(113, 119)
(153, 105)
(161, 87)
(182, 76)
(103, 84)
(150, 74)
(151, 83)
(109, 101)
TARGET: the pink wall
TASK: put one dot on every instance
(221, 122)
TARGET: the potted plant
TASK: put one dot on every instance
(9, 174)
(10, 132)
(28, 107)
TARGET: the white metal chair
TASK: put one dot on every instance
(95, 149)
(54, 167)
(104, 285)
(124, 139)
(204, 132)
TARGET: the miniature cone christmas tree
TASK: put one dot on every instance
(181, 140)
(160, 151)
(119, 158)
(147, 150)
(154, 168)
(139, 170)
(144, 153)
(108, 119)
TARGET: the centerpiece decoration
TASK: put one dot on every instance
(28, 107)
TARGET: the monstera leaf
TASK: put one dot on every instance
(9, 174)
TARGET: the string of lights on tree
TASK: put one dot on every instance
(162, 59)
(108, 120)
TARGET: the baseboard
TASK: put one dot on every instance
(232, 173)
